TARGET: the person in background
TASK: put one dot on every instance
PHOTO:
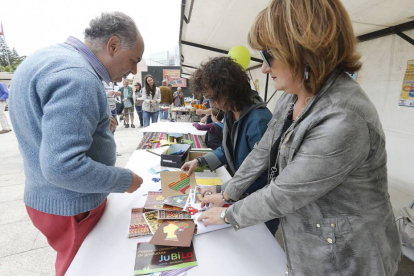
(151, 97)
(138, 103)
(127, 99)
(214, 135)
(178, 97)
(166, 100)
(325, 147)
(4, 94)
(227, 86)
(68, 148)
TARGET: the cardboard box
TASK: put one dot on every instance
(175, 161)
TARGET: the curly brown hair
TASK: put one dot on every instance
(223, 81)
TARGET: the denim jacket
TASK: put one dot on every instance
(331, 192)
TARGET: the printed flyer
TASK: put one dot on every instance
(155, 258)
(407, 90)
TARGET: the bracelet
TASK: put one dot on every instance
(224, 200)
(198, 162)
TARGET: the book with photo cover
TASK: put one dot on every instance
(152, 258)
(155, 201)
(176, 201)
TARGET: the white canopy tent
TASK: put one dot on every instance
(210, 28)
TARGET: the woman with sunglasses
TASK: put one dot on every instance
(226, 85)
(325, 148)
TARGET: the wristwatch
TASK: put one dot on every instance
(223, 216)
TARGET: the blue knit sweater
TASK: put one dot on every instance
(61, 116)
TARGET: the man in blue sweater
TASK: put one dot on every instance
(61, 118)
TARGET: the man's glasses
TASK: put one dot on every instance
(267, 57)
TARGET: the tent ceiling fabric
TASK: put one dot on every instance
(223, 24)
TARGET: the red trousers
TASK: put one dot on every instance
(65, 234)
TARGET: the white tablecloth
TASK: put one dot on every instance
(173, 127)
(108, 251)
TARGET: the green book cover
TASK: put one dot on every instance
(155, 258)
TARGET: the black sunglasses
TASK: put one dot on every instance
(267, 57)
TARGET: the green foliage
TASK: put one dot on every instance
(14, 58)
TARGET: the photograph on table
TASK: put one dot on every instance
(152, 258)
(176, 183)
(151, 218)
(176, 201)
(138, 227)
(174, 233)
(155, 201)
(172, 215)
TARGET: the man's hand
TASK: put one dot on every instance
(190, 166)
(203, 120)
(112, 124)
(135, 184)
(208, 191)
(125, 99)
(111, 93)
(118, 93)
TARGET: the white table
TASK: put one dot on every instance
(108, 251)
(173, 127)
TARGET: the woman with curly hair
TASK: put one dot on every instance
(325, 146)
(226, 85)
(151, 96)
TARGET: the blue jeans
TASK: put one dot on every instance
(164, 114)
(139, 111)
(148, 115)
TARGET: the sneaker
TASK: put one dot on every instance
(127, 126)
(5, 131)
(132, 125)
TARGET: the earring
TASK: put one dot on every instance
(306, 72)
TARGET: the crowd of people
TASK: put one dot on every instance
(315, 167)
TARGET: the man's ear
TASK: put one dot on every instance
(113, 45)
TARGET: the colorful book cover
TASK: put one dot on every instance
(152, 258)
(174, 233)
(177, 201)
(177, 183)
(138, 227)
(198, 196)
(155, 201)
(172, 215)
(151, 218)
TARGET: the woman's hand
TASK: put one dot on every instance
(214, 199)
(190, 166)
(212, 216)
(208, 191)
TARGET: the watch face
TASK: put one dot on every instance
(223, 214)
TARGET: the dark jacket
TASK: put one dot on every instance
(239, 138)
(130, 94)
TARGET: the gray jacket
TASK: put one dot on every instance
(147, 105)
(331, 192)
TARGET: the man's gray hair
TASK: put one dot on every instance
(102, 28)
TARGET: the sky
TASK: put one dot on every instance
(30, 25)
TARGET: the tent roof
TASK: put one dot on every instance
(211, 28)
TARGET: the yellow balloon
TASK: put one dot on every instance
(241, 55)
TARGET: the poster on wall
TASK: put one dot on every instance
(407, 90)
(172, 76)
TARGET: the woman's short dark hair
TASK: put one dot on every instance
(223, 81)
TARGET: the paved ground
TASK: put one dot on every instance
(23, 250)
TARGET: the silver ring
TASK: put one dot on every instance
(209, 193)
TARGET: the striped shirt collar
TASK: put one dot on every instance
(90, 56)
